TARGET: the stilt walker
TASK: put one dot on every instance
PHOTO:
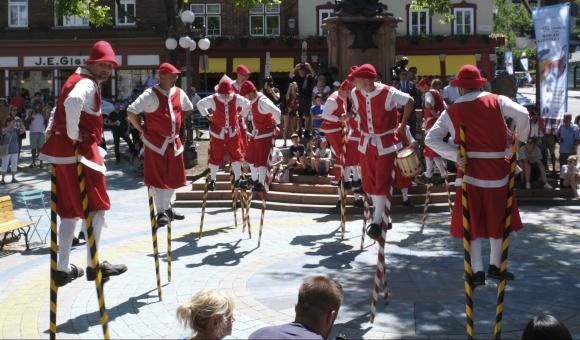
(155, 245)
(73, 134)
(225, 107)
(164, 106)
(204, 200)
(485, 182)
(376, 105)
(265, 192)
(342, 182)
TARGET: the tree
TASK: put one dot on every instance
(100, 15)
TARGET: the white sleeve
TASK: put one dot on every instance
(266, 106)
(244, 104)
(186, 104)
(329, 107)
(146, 102)
(398, 98)
(206, 104)
(354, 101)
(518, 114)
(73, 105)
(410, 137)
(50, 120)
(434, 138)
(429, 99)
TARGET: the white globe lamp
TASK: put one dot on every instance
(192, 45)
(203, 44)
(171, 43)
(187, 17)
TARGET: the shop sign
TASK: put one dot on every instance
(54, 61)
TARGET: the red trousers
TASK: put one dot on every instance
(258, 151)
(376, 171)
(352, 153)
(401, 181)
(69, 195)
(218, 147)
(164, 172)
(335, 141)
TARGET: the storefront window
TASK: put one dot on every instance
(131, 83)
(31, 82)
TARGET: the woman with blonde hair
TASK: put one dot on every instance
(209, 313)
(290, 113)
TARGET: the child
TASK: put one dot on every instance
(316, 113)
(209, 314)
(569, 175)
(321, 159)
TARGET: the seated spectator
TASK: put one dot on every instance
(569, 138)
(209, 313)
(276, 159)
(319, 300)
(297, 153)
(570, 175)
(530, 155)
(546, 326)
(321, 160)
(316, 114)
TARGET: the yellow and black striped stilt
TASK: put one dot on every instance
(342, 179)
(155, 246)
(91, 243)
(234, 197)
(506, 243)
(53, 252)
(468, 285)
(204, 204)
(246, 203)
(366, 217)
(169, 250)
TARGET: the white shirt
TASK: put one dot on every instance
(37, 122)
(265, 106)
(276, 156)
(81, 98)
(443, 125)
(394, 97)
(329, 107)
(207, 104)
(451, 93)
(148, 102)
(429, 99)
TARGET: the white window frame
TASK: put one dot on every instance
(125, 18)
(460, 11)
(418, 25)
(329, 13)
(265, 12)
(206, 14)
(21, 22)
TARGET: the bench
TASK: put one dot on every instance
(9, 223)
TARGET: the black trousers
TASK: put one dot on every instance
(117, 135)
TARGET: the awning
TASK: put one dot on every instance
(427, 65)
(281, 64)
(252, 63)
(454, 62)
(216, 65)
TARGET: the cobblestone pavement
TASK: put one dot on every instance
(424, 271)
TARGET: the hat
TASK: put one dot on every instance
(243, 69)
(247, 87)
(365, 71)
(167, 68)
(350, 71)
(294, 135)
(346, 85)
(468, 77)
(336, 83)
(224, 87)
(102, 52)
(423, 82)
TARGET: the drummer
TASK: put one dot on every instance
(402, 182)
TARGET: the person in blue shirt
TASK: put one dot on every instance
(319, 300)
(316, 114)
(569, 136)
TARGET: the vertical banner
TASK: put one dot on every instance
(552, 26)
(267, 66)
(509, 62)
(525, 66)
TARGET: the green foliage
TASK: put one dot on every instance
(511, 21)
(249, 3)
(97, 15)
(442, 7)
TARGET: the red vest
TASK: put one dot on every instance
(330, 126)
(264, 124)
(163, 124)
(58, 149)
(377, 124)
(224, 122)
(439, 106)
(485, 137)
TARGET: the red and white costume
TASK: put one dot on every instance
(402, 182)
(237, 86)
(226, 107)
(334, 109)
(77, 117)
(164, 168)
(434, 105)
(265, 118)
(488, 166)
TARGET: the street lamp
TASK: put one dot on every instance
(189, 45)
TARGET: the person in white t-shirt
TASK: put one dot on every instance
(570, 175)
(36, 121)
(450, 93)
(321, 160)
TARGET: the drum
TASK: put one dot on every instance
(409, 163)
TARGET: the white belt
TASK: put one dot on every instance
(488, 155)
(166, 142)
(389, 132)
(483, 183)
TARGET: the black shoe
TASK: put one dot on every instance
(347, 184)
(358, 203)
(174, 215)
(75, 242)
(357, 189)
(479, 279)
(258, 187)
(81, 236)
(408, 203)
(237, 183)
(422, 179)
(389, 226)
(246, 184)
(63, 278)
(162, 220)
(107, 270)
(211, 186)
(493, 272)
(374, 231)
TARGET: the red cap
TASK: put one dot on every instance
(346, 85)
(468, 77)
(423, 82)
(350, 71)
(242, 69)
(365, 71)
(247, 87)
(225, 87)
(102, 52)
(167, 68)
